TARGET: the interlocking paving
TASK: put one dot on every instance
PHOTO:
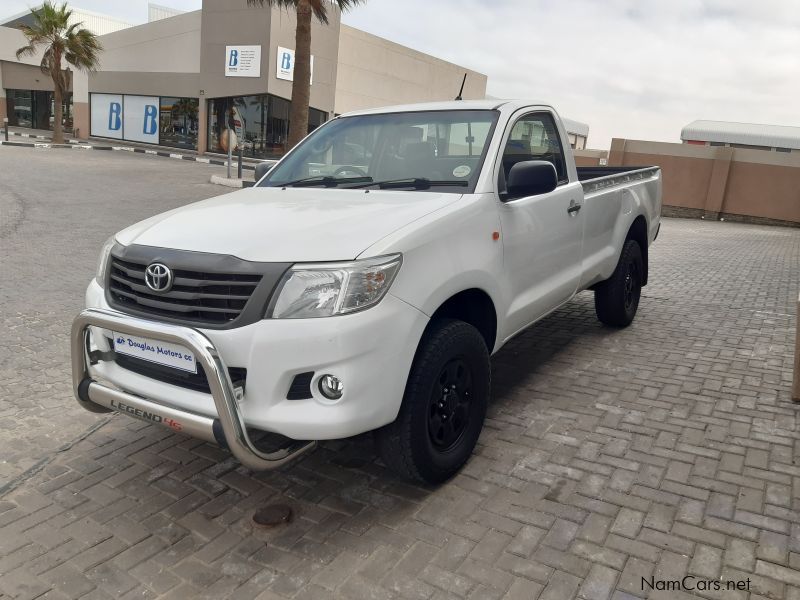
(667, 449)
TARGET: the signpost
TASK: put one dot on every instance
(231, 137)
(796, 383)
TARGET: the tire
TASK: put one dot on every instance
(436, 430)
(617, 298)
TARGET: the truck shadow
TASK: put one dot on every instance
(184, 493)
(522, 371)
(544, 348)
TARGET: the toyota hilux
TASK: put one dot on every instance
(362, 284)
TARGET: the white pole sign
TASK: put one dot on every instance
(284, 69)
(242, 61)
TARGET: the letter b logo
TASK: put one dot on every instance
(234, 59)
(286, 61)
(150, 119)
(114, 116)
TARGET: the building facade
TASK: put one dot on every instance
(578, 133)
(773, 138)
(94, 22)
(183, 80)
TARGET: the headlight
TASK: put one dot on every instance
(102, 262)
(324, 290)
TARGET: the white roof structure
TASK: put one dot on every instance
(750, 134)
(94, 22)
(156, 12)
(575, 127)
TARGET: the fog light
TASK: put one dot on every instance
(331, 387)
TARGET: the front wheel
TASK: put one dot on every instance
(443, 407)
(617, 298)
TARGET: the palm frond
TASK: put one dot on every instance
(34, 35)
(28, 50)
(83, 50)
(320, 10)
(345, 5)
(271, 3)
(72, 29)
(318, 7)
(48, 59)
(52, 32)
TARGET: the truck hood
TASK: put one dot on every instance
(287, 225)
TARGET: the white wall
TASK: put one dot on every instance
(373, 72)
(166, 46)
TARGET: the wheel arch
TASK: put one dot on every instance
(473, 306)
(638, 233)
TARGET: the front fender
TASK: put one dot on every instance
(448, 252)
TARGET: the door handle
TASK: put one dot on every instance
(574, 207)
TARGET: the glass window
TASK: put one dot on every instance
(34, 109)
(42, 110)
(535, 137)
(315, 118)
(261, 124)
(462, 137)
(178, 122)
(20, 108)
(219, 119)
(277, 131)
(441, 146)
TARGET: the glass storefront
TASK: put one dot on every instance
(178, 122)
(34, 109)
(261, 124)
(162, 120)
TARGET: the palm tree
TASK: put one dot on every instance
(61, 41)
(301, 86)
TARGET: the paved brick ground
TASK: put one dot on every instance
(57, 207)
(666, 449)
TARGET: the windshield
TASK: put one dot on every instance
(409, 150)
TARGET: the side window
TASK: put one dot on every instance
(534, 137)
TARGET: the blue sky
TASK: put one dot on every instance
(629, 68)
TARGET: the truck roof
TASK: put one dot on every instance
(493, 104)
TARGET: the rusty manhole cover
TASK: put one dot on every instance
(273, 515)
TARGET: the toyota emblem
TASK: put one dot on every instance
(158, 277)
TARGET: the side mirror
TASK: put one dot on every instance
(530, 178)
(262, 169)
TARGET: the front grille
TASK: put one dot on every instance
(192, 381)
(195, 296)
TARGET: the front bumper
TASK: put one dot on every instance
(227, 429)
(371, 351)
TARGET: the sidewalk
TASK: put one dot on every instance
(43, 139)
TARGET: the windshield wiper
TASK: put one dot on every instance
(420, 183)
(325, 180)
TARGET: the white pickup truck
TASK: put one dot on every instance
(362, 284)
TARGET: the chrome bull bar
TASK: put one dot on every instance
(228, 429)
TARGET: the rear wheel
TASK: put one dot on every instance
(443, 407)
(617, 298)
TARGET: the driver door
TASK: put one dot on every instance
(542, 234)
